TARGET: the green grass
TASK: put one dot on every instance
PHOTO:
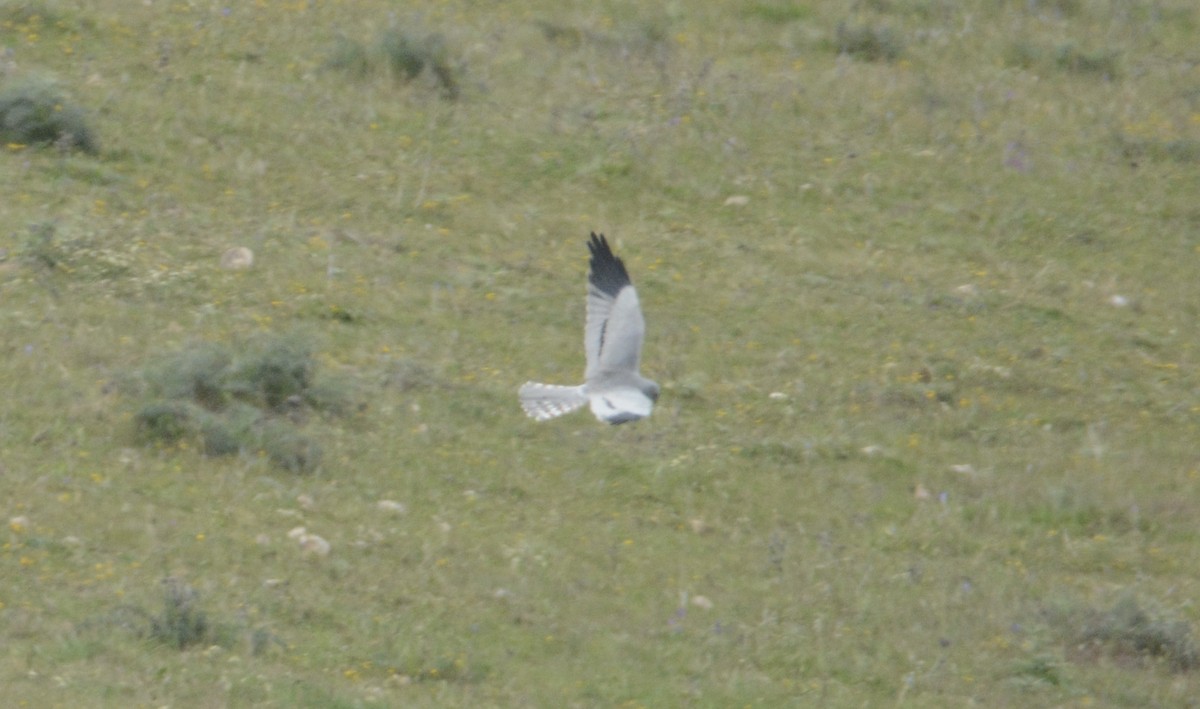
(929, 403)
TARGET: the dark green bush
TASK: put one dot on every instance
(252, 398)
(869, 42)
(36, 112)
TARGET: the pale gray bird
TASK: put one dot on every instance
(612, 339)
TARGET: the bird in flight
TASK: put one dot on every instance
(612, 339)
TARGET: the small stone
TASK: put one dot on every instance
(313, 545)
(392, 506)
(239, 258)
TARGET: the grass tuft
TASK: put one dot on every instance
(38, 112)
(181, 624)
(1178, 150)
(1055, 8)
(164, 421)
(25, 12)
(288, 448)
(777, 13)
(256, 397)
(455, 670)
(402, 54)
(407, 374)
(869, 42)
(1038, 671)
(1128, 634)
(405, 54)
(78, 256)
(350, 57)
(41, 248)
(200, 375)
(1102, 63)
(276, 375)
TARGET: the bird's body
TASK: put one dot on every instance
(612, 339)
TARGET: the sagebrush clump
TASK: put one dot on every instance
(38, 112)
(403, 54)
(232, 399)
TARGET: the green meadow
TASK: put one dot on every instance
(921, 288)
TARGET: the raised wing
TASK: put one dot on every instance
(615, 327)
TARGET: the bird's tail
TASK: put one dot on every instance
(546, 401)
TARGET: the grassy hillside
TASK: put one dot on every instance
(921, 286)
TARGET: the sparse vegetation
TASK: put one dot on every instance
(182, 623)
(404, 54)
(778, 12)
(921, 297)
(869, 42)
(1179, 150)
(1127, 634)
(1104, 64)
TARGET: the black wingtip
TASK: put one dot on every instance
(608, 272)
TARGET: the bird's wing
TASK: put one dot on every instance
(615, 327)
